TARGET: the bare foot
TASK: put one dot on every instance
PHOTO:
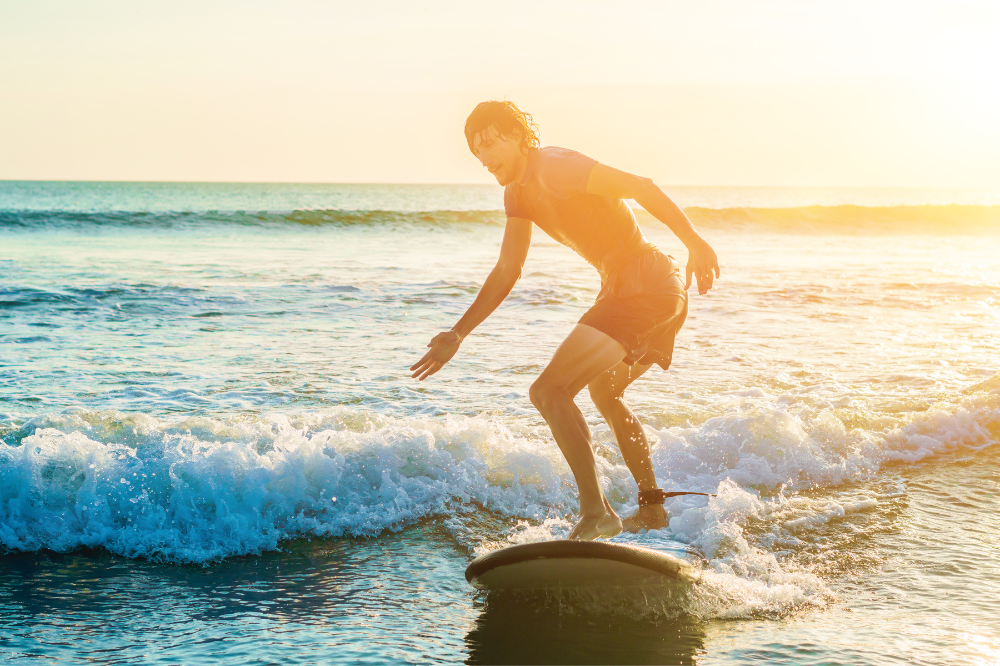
(653, 517)
(604, 526)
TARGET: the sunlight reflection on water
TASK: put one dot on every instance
(823, 378)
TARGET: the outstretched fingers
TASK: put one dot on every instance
(420, 368)
(442, 348)
(423, 359)
(429, 364)
(427, 369)
(425, 366)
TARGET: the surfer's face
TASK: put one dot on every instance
(501, 155)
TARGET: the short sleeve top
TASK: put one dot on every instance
(553, 195)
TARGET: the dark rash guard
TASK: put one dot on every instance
(553, 195)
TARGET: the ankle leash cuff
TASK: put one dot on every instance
(652, 497)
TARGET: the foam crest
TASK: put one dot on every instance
(197, 489)
(971, 425)
(771, 442)
(758, 455)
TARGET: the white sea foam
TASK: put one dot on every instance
(199, 489)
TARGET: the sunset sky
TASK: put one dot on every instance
(758, 92)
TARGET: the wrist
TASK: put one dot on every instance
(459, 333)
(693, 240)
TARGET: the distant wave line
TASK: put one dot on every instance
(950, 218)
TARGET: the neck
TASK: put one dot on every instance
(521, 166)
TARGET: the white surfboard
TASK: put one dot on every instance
(573, 563)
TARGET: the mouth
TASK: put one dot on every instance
(493, 170)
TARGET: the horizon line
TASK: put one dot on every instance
(444, 184)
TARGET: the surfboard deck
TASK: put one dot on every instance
(569, 563)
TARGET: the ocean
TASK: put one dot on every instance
(211, 450)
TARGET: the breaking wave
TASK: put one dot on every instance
(197, 490)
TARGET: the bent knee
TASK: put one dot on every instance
(538, 393)
(543, 393)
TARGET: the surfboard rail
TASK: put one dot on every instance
(566, 560)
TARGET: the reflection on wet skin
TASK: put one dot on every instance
(514, 629)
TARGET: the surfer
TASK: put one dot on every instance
(631, 326)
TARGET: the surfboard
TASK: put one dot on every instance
(572, 563)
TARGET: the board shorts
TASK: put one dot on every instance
(642, 305)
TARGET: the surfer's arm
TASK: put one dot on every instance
(503, 277)
(702, 261)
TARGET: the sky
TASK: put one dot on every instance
(720, 92)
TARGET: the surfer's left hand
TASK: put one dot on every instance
(443, 347)
(702, 263)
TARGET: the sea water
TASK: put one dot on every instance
(211, 449)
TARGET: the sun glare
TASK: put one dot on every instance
(847, 93)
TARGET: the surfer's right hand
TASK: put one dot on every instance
(443, 347)
(702, 263)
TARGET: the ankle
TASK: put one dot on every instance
(596, 511)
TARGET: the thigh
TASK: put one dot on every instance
(585, 354)
(612, 383)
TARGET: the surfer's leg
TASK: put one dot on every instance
(607, 393)
(584, 355)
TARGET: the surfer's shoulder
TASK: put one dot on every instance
(562, 170)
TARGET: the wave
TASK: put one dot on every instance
(334, 218)
(944, 219)
(198, 489)
(952, 218)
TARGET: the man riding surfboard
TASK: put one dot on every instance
(641, 306)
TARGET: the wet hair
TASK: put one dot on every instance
(505, 117)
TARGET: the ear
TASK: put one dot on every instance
(518, 136)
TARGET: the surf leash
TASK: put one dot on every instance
(651, 497)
